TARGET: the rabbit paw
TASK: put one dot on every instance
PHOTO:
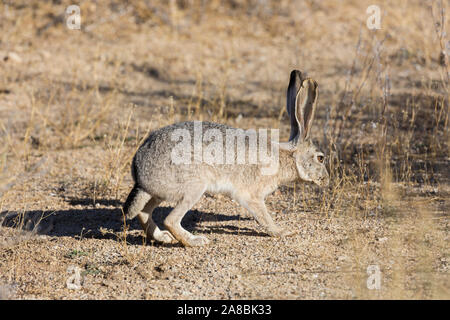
(165, 237)
(280, 233)
(197, 241)
(286, 233)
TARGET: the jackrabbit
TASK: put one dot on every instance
(164, 168)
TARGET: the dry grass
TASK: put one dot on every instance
(75, 105)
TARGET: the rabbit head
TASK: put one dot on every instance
(302, 94)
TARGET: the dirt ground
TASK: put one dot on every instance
(75, 105)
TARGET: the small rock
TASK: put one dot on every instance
(12, 56)
(384, 239)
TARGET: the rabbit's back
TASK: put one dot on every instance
(162, 172)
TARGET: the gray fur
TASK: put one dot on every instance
(157, 178)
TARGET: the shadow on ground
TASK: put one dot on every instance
(106, 223)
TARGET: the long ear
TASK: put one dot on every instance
(305, 106)
(295, 82)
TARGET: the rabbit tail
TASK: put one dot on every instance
(136, 201)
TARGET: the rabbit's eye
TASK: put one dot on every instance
(320, 159)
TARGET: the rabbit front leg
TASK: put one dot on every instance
(258, 209)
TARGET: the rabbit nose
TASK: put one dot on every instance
(324, 181)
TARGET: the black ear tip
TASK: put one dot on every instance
(296, 73)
